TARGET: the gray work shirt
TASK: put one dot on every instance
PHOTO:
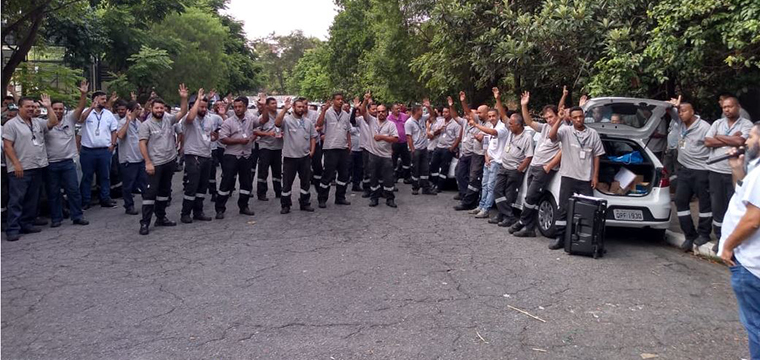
(450, 134)
(297, 134)
(437, 124)
(270, 142)
(237, 128)
(546, 150)
(578, 151)
(387, 128)
(692, 152)
(216, 122)
(60, 141)
(470, 144)
(336, 128)
(516, 149)
(365, 138)
(28, 143)
(162, 144)
(417, 129)
(197, 139)
(129, 146)
(720, 127)
(356, 144)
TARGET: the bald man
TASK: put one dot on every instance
(472, 146)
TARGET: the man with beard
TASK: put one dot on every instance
(693, 177)
(24, 148)
(726, 133)
(199, 129)
(472, 146)
(740, 241)
(60, 143)
(449, 134)
(417, 141)
(400, 149)
(98, 140)
(364, 140)
(299, 143)
(237, 135)
(383, 135)
(159, 149)
(336, 149)
(579, 169)
(269, 138)
(543, 167)
(131, 162)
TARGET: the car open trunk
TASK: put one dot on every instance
(644, 173)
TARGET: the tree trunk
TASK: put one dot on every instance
(23, 49)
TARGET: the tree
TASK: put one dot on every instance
(311, 76)
(142, 74)
(279, 55)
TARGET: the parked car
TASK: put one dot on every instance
(635, 122)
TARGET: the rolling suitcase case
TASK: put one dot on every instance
(586, 217)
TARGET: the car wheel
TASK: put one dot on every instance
(547, 212)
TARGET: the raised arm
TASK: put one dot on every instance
(111, 101)
(554, 130)
(52, 118)
(463, 101)
(563, 99)
(321, 118)
(499, 105)
(194, 111)
(452, 109)
(281, 115)
(526, 113)
(352, 118)
(83, 88)
(12, 89)
(122, 133)
(363, 106)
(183, 103)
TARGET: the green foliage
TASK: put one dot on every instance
(279, 55)
(311, 76)
(58, 81)
(142, 75)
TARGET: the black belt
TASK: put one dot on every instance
(95, 148)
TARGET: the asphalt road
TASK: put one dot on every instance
(417, 282)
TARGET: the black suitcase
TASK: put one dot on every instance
(586, 218)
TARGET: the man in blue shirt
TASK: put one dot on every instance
(98, 140)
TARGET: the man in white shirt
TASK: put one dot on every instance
(740, 240)
(98, 133)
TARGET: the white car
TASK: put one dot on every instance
(637, 119)
(636, 122)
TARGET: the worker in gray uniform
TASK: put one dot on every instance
(299, 143)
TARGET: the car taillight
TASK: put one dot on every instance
(664, 179)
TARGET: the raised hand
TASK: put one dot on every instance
(113, 97)
(496, 92)
(182, 91)
(525, 99)
(462, 96)
(45, 100)
(675, 102)
(262, 98)
(10, 88)
(130, 115)
(228, 99)
(564, 91)
(133, 96)
(287, 104)
(211, 94)
(356, 102)
(200, 94)
(426, 102)
(326, 105)
(84, 87)
(583, 100)
(368, 95)
(450, 101)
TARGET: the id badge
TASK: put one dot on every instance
(583, 154)
(97, 132)
(245, 136)
(36, 142)
(682, 144)
(509, 148)
(206, 137)
(486, 142)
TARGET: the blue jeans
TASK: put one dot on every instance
(63, 175)
(489, 179)
(95, 160)
(23, 196)
(133, 176)
(747, 289)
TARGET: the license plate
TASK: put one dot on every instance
(628, 215)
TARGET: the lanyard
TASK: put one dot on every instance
(687, 131)
(31, 129)
(728, 131)
(582, 144)
(98, 116)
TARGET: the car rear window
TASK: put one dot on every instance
(633, 115)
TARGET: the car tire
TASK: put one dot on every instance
(546, 214)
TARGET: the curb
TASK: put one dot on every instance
(676, 239)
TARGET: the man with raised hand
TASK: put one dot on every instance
(384, 134)
(472, 142)
(543, 167)
(98, 140)
(417, 141)
(299, 143)
(336, 150)
(515, 158)
(24, 148)
(61, 147)
(579, 169)
(199, 133)
(159, 149)
(237, 135)
(400, 149)
(131, 162)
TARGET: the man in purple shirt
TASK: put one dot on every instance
(400, 148)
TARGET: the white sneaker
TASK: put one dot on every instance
(483, 214)
(474, 211)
